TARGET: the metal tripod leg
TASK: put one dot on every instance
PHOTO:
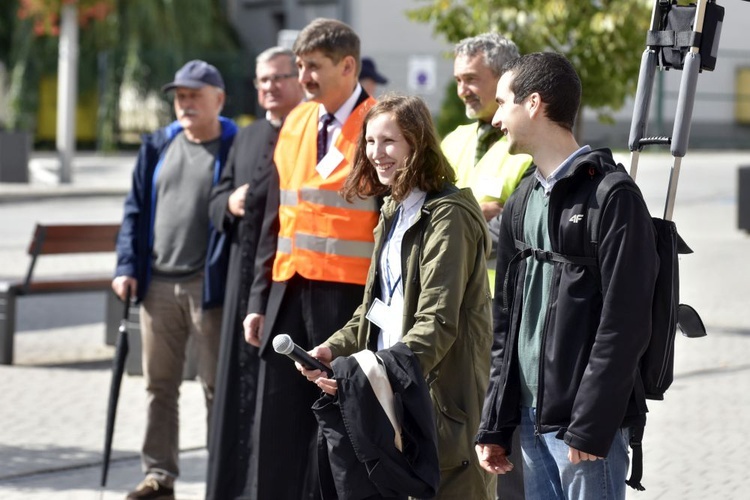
(644, 90)
(684, 113)
(641, 107)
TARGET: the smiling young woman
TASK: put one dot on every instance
(398, 132)
(427, 292)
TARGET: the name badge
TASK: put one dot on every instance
(384, 316)
(329, 162)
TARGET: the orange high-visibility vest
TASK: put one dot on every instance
(321, 236)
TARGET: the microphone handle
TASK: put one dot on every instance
(307, 361)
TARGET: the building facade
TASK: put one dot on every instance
(418, 62)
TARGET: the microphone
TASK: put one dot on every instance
(283, 344)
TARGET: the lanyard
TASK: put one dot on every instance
(391, 288)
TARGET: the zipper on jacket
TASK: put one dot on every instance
(554, 288)
(540, 381)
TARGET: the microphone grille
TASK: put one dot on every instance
(283, 344)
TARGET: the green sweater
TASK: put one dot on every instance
(535, 295)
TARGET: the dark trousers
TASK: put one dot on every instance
(283, 464)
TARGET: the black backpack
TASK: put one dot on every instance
(657, 363)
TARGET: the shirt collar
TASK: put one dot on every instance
(560, 171)
(273, 121)
(416, 196)
(345, 110)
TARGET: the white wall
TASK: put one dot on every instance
(390, 38)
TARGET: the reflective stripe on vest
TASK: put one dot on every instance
(325, 197)
(328, 246)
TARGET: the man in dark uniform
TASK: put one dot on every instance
(313, 255)
(237, 207)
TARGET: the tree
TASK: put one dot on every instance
(45, 14)
(147, 40)
(603, 39)
(135, 43)
(7, 21)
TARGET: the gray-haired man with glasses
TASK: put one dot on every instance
(237, 207)
(265, 80)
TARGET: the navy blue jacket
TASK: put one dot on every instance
(136, 237)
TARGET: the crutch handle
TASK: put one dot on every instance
(651, 141)
(642, 99)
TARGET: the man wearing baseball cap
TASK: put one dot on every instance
(172, 260)
(369, 77)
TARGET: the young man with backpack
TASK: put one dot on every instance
(570, 326)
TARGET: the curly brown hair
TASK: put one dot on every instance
(425, 168)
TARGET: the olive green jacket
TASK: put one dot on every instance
(447, 323)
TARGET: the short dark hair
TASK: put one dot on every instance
(554, 78)
(333, 38)
(426, 167)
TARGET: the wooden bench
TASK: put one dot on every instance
(55, 239)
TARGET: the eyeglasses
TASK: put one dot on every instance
(273, 79)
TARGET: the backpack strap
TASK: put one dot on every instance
(636, 469)
(522, 194)
(550, 256)
(525, 250)
(611, 182)
(518, 257)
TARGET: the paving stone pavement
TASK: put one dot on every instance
(52, 402)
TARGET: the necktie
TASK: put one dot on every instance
(323, 135)
(487, 135)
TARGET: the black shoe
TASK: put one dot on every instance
(151, 489)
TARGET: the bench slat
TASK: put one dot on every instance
(73, 238)
(91, 284)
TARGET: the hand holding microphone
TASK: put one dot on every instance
(283, 344)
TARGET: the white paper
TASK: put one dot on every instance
(329, 162)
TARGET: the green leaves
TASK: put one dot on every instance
(135, 44)
(604, 39)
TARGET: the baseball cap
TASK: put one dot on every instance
(194, 75)
(369, 71)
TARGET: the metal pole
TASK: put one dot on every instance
(67, 90)
(674, 176)
(644, 89)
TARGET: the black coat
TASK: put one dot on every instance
(358, 459)
(597, 325)
(250, 161)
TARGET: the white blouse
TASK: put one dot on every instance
(391, 284)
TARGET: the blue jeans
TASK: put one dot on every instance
(549, 475)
